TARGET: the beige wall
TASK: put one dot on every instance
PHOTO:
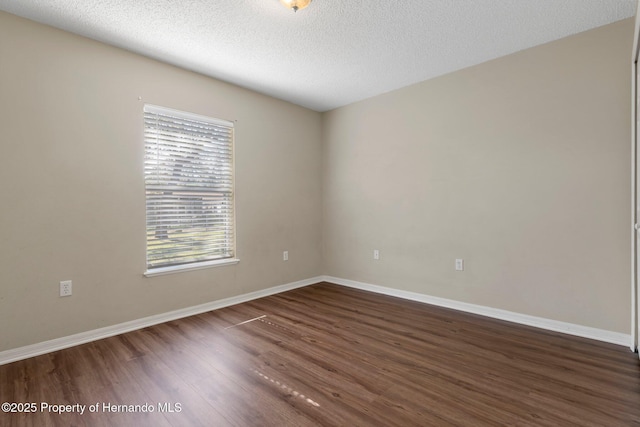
(72, 192)
(521, 166)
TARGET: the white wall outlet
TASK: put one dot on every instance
(285, 256)
(66, 288)
(459, 264)
(376, 254)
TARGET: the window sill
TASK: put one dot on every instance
(189, 267)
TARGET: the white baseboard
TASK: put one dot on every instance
(25, 352)
(509, 316)
(38, 349)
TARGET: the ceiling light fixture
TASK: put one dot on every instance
(295, 4)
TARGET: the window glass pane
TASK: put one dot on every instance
(189, 188)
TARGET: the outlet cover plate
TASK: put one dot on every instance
(66, 288)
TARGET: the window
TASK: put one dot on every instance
(188, 171)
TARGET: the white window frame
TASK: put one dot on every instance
(156, 187)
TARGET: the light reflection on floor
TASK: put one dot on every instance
(287, 388)
(246, 321)
(283, 386)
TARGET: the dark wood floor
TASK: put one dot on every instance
(332, 356)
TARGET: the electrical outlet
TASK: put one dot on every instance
(285, 256)
(459, 265)
(66, 288)
(376, 254)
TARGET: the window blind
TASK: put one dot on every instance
(189, 187)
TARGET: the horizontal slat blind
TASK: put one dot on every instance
(188, 173)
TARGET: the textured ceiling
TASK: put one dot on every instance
(332, 53)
